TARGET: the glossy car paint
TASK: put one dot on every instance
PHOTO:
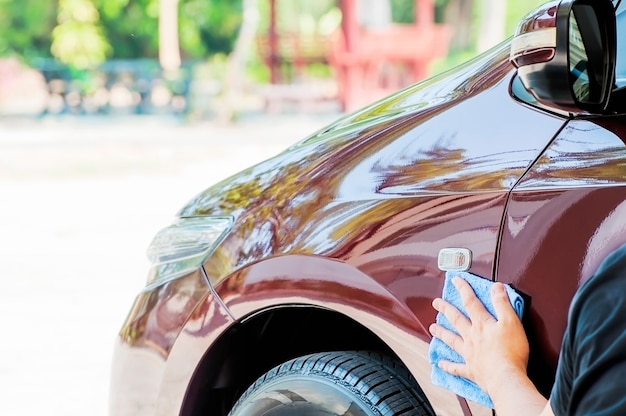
(155, 347)
(352, 219)
(564, 217)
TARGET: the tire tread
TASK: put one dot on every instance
(380, 381)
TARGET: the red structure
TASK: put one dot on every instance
(368, 63)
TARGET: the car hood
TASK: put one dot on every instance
(321, 156)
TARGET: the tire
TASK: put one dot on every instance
(347, 383)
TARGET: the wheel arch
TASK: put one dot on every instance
(263, 340)
(295, 305)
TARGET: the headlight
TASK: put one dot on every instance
(184, 246)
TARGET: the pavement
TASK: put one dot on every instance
(80, 200)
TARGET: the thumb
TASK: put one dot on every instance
(501, 303)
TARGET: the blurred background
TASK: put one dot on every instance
(114, 113)
(202, 59)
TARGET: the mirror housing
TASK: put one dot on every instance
(564, 52)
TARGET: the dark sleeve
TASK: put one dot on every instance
(591, 374)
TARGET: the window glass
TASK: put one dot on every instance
(578, 61)
(620, 70)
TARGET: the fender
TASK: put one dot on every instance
(338, 286)
(306, 280)
(152, 355)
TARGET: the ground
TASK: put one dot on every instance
(81, 200)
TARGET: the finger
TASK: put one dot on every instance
(456, 318)
(501, 303)
(448, 337)
(456, 369)
(476, 311)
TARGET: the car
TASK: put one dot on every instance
(303, 285)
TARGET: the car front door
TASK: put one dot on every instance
(563, 218)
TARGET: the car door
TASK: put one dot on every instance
(563, 218)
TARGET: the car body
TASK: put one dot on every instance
(333, 245)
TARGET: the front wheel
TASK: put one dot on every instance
(346, 383)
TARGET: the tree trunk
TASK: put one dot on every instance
(238, 58)
(169, 51)
(458, 14)
(492, 25)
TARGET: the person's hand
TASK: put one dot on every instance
(495, 349)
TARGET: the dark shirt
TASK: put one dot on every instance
(591, 374)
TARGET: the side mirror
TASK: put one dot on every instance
(564, 52)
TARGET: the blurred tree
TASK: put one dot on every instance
(498, 19)
(78, 39)
(124, 29)
(467, 18)
(516, 10)
(205, 27)
(238, 59)
(295, 15)
(459, 15)
(25, 27)
(492, 24)
(131, 27)
(209, 27)
(169, 50)
(483, 23)
(403, 11)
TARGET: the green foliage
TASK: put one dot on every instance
(208, 27)
(516, 10)
(77, 40)
(453, 59)
(25, 27)
(128, 29)
(131, 27)
(296, 16)
(88, 31)
(403, 11)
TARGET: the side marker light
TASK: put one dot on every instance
(454, 259)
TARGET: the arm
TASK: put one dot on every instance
(518, 396)
(495, 351)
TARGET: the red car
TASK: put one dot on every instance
(303, 285)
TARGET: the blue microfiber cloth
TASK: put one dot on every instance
(438, 350)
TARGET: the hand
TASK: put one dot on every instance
(495, 349)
